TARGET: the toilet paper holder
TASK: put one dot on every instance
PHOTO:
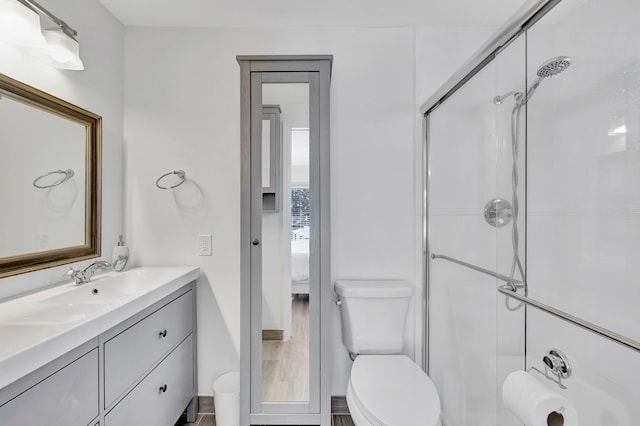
(556, 363)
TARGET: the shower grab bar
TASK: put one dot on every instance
(477, 268)
(603, 332)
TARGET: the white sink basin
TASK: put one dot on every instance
(130, 283)
(63, 313)
(78, 303)
(39, 327)
(88, 294)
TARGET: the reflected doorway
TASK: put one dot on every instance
(287, 220)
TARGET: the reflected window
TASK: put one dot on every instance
(300, 207)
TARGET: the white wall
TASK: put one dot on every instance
(98, 89)
(182, 112)
(583, 225)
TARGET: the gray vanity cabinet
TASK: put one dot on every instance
(142, 371)
(165, 392)
(130, 354)
(67, 397)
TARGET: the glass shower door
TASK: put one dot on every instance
(475, 338)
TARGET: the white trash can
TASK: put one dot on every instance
(226, 394)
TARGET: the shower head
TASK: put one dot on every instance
(548, 68)
(553, 66)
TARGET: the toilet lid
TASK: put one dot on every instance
(392, 390)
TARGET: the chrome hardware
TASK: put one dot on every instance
(556, 367)
(67, 174)
(555, 379)
(255, 242)
(338, 302)
(511, 281)
(163, 388)
(498, 212)
(181, 175)
(95, 291)
(162, 334)
(84, 276)
(557, 362)
(603, 332)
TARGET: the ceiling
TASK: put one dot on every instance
(308, 13)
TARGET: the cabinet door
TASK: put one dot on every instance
(162, 396)
(130, 354)
(67, 398)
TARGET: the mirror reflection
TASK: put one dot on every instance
(285, 253)
(42, 170)
(50, 155)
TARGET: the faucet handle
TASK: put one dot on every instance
(74, 274)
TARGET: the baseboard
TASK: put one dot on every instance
(206, 405)
(272, 335)
(338, 405)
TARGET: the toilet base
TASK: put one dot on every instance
(357, 417)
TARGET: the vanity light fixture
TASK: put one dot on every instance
(57, 45)
(20, 24)
(63, 49)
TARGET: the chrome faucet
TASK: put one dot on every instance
(84, 276)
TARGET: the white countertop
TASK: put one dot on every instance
(39, 327)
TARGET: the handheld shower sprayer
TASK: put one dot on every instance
(548, 68)
(498, 99)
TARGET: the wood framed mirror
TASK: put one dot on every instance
(50, 180)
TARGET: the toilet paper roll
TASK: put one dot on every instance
(535, 404)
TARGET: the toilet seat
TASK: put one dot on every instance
(391, 390)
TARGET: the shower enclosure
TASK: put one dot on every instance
(532, 215)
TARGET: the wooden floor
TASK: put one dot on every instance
(209, 420)
(285, 365)
(285, 369)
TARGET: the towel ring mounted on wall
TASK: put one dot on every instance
(181, 175)
(67, 174)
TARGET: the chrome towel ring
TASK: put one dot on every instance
(67, 174)
(181, 175)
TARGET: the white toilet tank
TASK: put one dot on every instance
(373, 314)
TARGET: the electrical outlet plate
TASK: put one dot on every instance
(204, 245)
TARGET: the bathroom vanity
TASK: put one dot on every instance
(119, 350)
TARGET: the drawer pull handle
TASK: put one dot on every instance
(163, 333)
(163, 388)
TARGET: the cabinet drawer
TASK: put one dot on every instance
(133, 352)
(68, 397)
(162, 396)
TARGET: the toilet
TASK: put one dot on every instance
(385, 387)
